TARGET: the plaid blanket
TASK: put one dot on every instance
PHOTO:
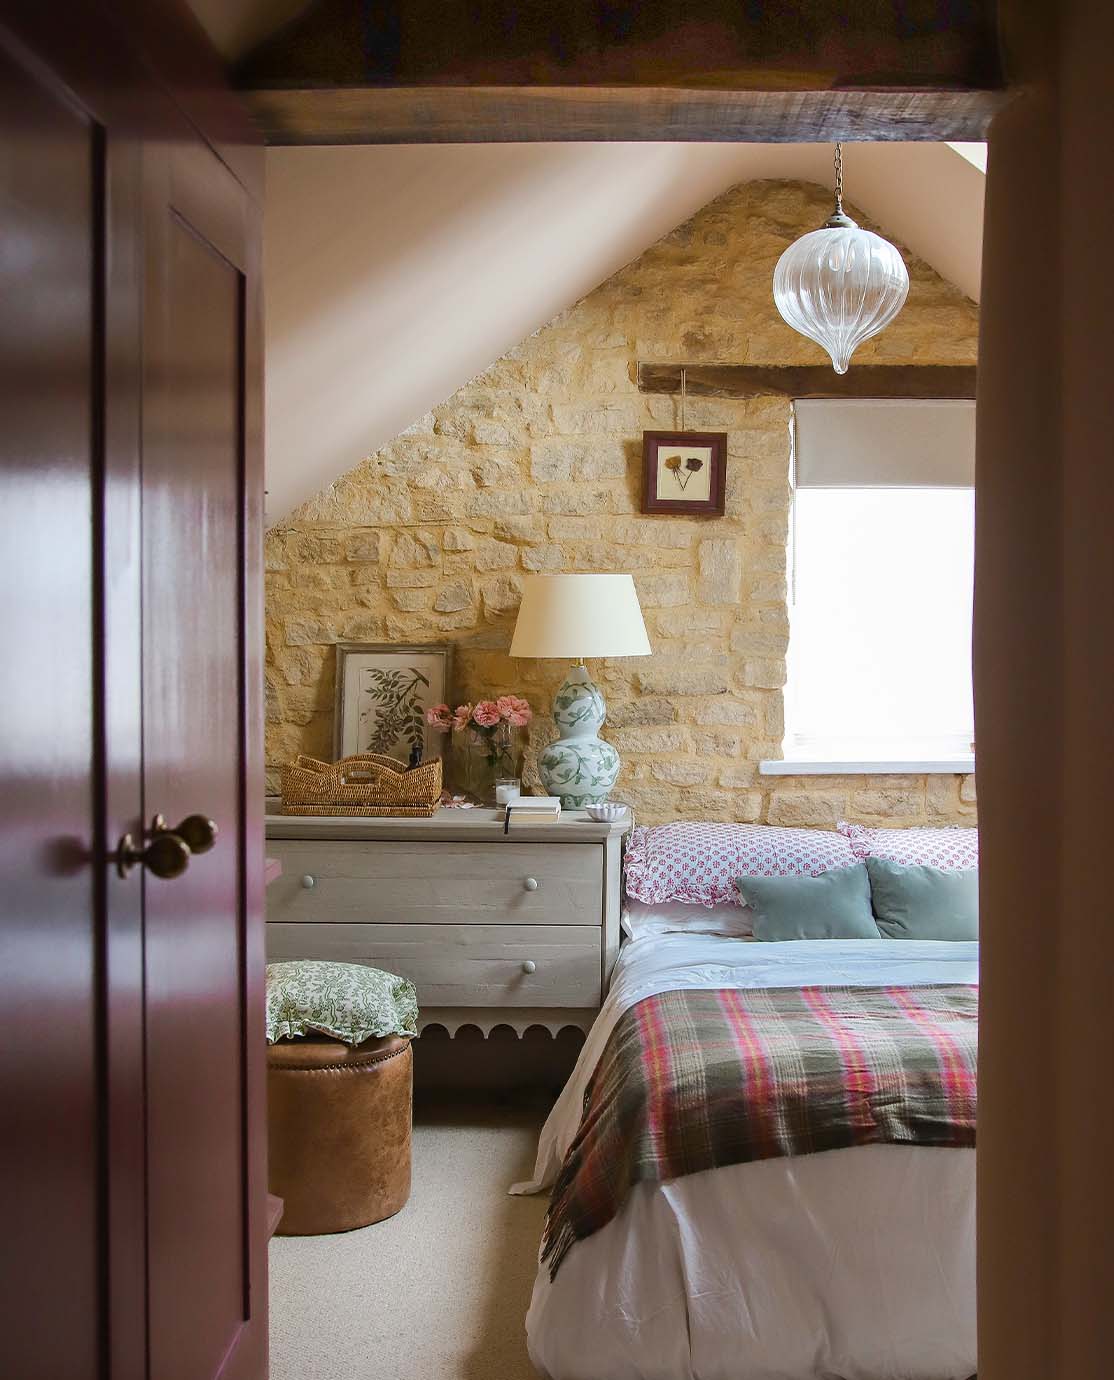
(695, 1080)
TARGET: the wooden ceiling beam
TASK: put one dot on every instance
(453, 115)
(930, 382)
(425, 71)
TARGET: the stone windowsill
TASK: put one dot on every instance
(951, 766)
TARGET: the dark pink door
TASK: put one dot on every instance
(204, 1039)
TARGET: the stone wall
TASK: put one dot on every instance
(535, 465)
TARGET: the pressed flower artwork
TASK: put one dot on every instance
(383, 695)
(684, 472)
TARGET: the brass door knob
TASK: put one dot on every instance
(166, 855)
(198, 833)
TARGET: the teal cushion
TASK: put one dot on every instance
(834, 905)
(924, 902)
(349, 1001)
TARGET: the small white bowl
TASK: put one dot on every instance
(607, 813)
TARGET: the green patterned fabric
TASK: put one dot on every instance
(349, 1001)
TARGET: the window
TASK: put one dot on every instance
(881, 583)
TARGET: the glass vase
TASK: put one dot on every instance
(480, 758)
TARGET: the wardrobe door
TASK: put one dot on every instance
(50, 173)
(203, 950)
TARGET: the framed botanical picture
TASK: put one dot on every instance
(684, 472)
(383, 693)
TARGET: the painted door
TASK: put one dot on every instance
(205, 1177)
(133, 1131)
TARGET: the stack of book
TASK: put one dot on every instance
(527, 810)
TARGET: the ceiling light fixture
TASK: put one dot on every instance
(840, 285)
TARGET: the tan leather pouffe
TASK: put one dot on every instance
(338, 1131)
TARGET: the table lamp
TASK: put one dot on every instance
(579, 616)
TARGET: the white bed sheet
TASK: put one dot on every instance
(848, 1265)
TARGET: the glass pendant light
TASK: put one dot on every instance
(840, 285)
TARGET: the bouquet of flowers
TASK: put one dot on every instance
(489, 724)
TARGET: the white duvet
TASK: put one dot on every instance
(848, 1265)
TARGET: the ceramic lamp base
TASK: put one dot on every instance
(580, 766)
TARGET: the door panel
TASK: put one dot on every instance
(199, 1032)
(48, 959)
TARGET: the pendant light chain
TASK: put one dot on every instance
(839, 179)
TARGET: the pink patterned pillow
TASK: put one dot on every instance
(698, 863)
(955, 849)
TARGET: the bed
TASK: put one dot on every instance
(855, 1262)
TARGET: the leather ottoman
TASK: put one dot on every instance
(338, 1131)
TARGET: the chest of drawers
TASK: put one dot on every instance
(516, 929)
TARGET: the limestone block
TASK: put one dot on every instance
(359, 627)
(415, 549)
(496, 555)
(545, 559)
(411, 600)
(639, 712)
(494, 471)
(552, 462)
(725, 711)
(452, 598)
(668, 589)
(887, 803)
(716, 743)
(721, 571)
(765, 673)
(457, 539)
(678, 772)
(364, 546)
(601, 463)
(577, 500)
(501, 594)
(681, 680)
(412, 579)
(745, 774)
(967, 790)
(759, 642)
(518, 529)
(646, 738)
(497, 503)
(805, 808)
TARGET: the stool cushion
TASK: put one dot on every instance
(348, 1001)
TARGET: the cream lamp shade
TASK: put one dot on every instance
(579, 616)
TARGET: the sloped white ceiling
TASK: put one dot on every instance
(393, 274)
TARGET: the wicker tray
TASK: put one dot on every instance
(366, 784)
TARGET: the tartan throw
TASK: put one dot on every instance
(695, 1080)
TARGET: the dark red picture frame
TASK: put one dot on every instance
(654, 502)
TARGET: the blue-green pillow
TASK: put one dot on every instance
(921, 902)
(834, 905)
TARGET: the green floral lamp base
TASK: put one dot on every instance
(579, 767)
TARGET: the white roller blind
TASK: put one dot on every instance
(884, 443)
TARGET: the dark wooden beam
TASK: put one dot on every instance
(493, 115)
(924, 381)
(711, 70)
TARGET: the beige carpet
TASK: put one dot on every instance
(438, 1292)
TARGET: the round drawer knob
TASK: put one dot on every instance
(531, 883)
(309, 882)
(529, 966)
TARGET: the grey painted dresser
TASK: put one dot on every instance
(519, 929)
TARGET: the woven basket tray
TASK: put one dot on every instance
(366, 784)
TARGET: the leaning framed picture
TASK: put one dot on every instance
(684, 472)
(383, 693)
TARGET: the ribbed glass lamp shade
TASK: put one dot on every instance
(839, 286)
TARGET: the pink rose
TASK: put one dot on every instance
(439, 717)
(486, 714)
(516, 711)
(462, 714)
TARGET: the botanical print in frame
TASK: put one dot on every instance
(684, 472)
(383, 692)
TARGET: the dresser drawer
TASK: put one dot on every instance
(461, 965)
(436, 884)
